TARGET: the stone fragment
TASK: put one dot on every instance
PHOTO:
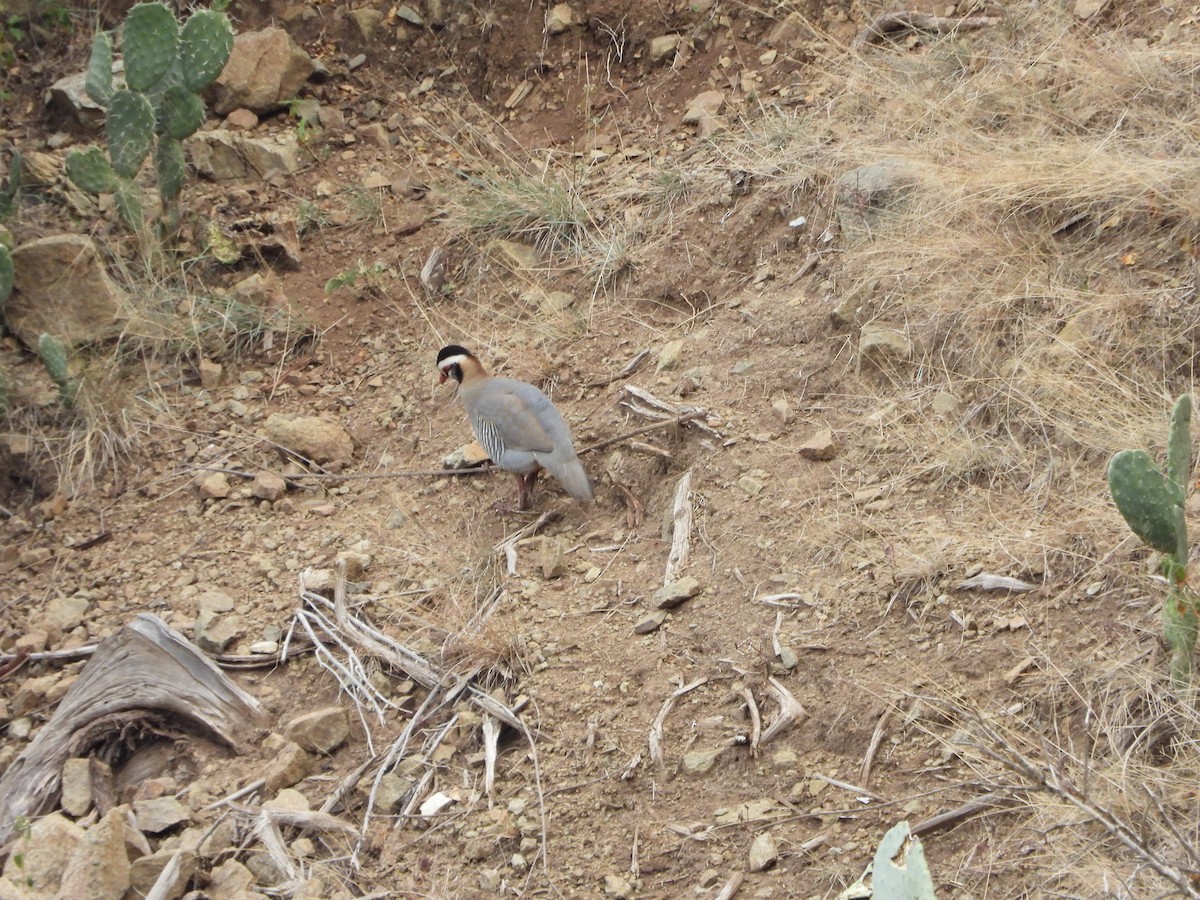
(617, 887)
(61, 287)
(468, 456)
(77, 786)
(288, 764)
(268, 486)
(145, 871)
(235, 156)
(676, 592)
(366, 20)
(700, 761)
(389, 798)
(159, 814)
(213, 486)
(706, 103)
(210, 374)
(231, 881)
(316, 438)
(763, 852)
(215, 634)
(241, 120)
(663, 49)
(882, 346)
(321, 731)
(559, 18)
(265, 70)
(64, 614)
(651, 622)
(820, 446)
(669, 355)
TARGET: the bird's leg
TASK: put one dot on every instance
(525, 485)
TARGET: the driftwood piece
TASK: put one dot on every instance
(890, 23)
(144, 668)
(681, 530)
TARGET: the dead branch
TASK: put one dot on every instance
(656, 729)
(656, 426)
(625, 371)
(890, 23)
(681, 530)
(143, 667)
(790, 710)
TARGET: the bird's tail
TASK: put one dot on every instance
(572, 476)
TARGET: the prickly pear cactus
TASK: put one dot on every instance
(1153, 505)
(54, 357)
(1144, 498)
(166, 68)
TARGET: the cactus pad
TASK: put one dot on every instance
(1144, 498)
(54, 357)
(171, 168)
(206, 43)
(182, 112)
(90, 170)
(99, 81)
(1179, 448)
(130, 132)
(6, 275)
(149, 44)
(128, 199)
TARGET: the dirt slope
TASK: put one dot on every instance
(865, 549)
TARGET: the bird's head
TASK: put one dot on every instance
(450, 362)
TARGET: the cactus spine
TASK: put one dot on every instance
(166, 68)
(54, 357)
(1152, 504)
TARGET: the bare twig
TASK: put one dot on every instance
(656, 426)
(625, 371)
(873, 747)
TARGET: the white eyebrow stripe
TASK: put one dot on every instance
(456, 360)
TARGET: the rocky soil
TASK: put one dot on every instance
(779, 630)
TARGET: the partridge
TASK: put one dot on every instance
(516, 424)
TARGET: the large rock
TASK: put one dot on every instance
(60, 287)
(99, 868)
(265, 70)
(233, 156)
(312, 437)
(866, 193)
(37, 861)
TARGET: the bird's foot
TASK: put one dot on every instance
(507, 508)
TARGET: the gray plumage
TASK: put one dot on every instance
(517, 425)
(521, 431)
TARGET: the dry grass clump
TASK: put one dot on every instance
(1043, 261)
(1103, 764)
